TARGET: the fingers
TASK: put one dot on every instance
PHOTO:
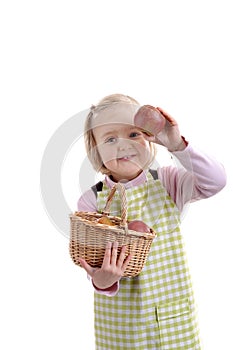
(123, 262)
(126, 262)
(121, 258)
(167, 116)
(110, 256)
(114, 253)
(86, 266)
(107, 255)
(111, 253)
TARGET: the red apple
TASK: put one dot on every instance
(149, 119)
(138, 226)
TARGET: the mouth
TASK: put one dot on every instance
(127, 157)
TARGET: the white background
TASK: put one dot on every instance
(59, 57)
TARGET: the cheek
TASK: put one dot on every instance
(145, 155)
(107, 153)
(143, 147)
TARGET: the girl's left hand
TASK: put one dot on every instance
(112, 268)
(169, 136)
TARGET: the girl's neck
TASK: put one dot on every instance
(125, 180)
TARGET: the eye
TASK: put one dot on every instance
(134, 134)
(111, 140)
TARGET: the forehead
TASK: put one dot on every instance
(119, 113)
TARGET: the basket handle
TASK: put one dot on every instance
(121, 189)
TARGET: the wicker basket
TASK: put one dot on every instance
(89, 238)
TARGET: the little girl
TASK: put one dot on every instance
(154, 310)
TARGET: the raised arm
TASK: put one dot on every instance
(201, 176)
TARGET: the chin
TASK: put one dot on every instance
(127, 175)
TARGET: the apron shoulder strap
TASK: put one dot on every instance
(154, 173)
(97, 187)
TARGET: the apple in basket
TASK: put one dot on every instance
(139, 226)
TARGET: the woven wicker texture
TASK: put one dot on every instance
(88, 238)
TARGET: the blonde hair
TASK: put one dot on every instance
(89, 138)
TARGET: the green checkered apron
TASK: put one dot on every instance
(154, 310)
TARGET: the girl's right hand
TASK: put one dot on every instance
(160, 127)
(112, 268)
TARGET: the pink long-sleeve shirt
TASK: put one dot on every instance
(201, 176)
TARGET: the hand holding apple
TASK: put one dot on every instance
(149, 119)
(160, 127)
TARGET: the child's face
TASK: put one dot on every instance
(121, 145)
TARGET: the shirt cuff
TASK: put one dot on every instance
(110, 292)
(186, 145)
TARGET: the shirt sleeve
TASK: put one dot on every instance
(87, 201)
(196, 176)
(109, 292)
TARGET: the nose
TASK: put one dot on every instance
(124, 144)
